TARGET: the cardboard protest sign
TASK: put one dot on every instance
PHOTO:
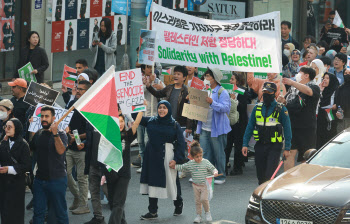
(59, 112)
(37, 93)
(25, 72)
(168, 79)
(130, 94)
(198, 97)
(69, 76)
(197, 83)
(147, 47)
(233, 45)
(194, 112)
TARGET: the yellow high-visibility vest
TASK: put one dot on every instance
(269, 123)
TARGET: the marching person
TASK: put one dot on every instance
(166, 143)
(14, 163)
(301, 101)
(6, 113)
(76, 157)
(50, 182)
(213, 132)
(235, 136)
(117, 182)
(200, 168)
(326, 128)
(268, 123)
(19, 89)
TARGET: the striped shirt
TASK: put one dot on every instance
(199, 171)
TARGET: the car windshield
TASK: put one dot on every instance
(336, 153)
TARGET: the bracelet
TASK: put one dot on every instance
(56, 135)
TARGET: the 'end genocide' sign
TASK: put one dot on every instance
(130, 94)
(247, 45)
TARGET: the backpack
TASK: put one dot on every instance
(233, 115)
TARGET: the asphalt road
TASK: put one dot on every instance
(227, 206)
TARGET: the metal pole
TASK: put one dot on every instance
(127, 28)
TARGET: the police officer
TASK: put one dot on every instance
(268, 123)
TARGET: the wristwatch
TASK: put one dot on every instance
(56, 135)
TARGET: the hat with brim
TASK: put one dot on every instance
(6, 103)
(270, 87)
(18, 82)
(217, 74)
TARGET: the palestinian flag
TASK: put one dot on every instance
(99, 106)
(338, 21)
(300, 100)
(330, 116)
(210, 186)
(71, 78)
(238, 90)
(166, 72)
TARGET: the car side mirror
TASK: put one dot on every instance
(309, 153)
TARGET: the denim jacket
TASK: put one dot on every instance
(220, 123)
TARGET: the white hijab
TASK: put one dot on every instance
(321, 70)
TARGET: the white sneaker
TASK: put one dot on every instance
(190, 180)
(219, 181)
(139, 170)
(208, 217)
(198, 219)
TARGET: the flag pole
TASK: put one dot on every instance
(65, 115)
(152, 96)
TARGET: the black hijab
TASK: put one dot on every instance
(168, 118)
(18, 128)
(329, 90)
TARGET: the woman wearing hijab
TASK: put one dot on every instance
(288, 49)
(166, 144)
(104, 47)
(293, 65)
(326, 127)
(318, 65)
(15, 162)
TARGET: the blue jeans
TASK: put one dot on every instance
(214, 151)
(142, 139)
(54, 192)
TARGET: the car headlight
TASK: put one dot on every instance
(254, 203)
(346, 218)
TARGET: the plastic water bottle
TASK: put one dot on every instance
(341, 112)
(76, 136)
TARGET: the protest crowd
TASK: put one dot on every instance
(300, 109)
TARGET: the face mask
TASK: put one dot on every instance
(347, 78)
(286, 52)
(206, 82)
(298, 77)
(3, 115)
(268, 98)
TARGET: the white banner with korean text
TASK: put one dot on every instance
(248, 45)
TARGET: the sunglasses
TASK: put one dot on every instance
(295, 52)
